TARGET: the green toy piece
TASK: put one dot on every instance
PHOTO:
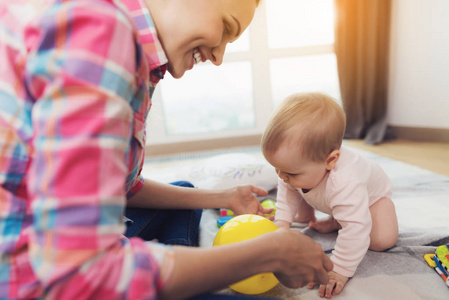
(268, 203)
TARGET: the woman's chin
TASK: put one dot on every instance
(175, 72)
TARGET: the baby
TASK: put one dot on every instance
(303, 141)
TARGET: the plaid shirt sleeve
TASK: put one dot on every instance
(83, 75)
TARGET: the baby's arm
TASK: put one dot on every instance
(288, 202)
(353, 215)
(282, 224)
(350, 208)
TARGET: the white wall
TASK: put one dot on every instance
(419, 64)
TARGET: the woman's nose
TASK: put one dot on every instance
(217, 54)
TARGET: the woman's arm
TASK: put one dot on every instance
(294, 258)
(158, 195)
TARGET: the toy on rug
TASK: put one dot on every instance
(439, 261)
(222, 220)
(268, 203)
(241, 228)
(227, 214)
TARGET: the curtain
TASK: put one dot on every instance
(361, 47)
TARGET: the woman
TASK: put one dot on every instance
(76, 82)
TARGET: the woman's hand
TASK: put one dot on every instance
(294, 258)
(243, 201)
(302, 260)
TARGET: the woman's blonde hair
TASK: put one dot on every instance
(321, 119)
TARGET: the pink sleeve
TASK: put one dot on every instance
(138, 184)
(287, 202)
(350, 207)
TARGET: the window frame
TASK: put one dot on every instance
(259, 55)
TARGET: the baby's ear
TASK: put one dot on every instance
(332, 159)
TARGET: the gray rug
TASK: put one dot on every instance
(422, 204)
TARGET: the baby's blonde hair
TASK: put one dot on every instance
(321, 119)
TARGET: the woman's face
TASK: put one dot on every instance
(193, 31)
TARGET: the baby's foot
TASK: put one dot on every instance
(326, 225)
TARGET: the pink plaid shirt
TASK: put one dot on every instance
(76, 78)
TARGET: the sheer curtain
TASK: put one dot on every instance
(361, 47)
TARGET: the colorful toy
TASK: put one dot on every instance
(222, 220)
(241, 228)
(440, 262)
(226, 212)
(442, 258)
(268, 203)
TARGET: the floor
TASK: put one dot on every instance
(433, 156)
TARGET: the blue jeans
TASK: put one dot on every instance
(171, 227)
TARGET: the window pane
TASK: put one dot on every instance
(298, 23)
(209, 99)
(311, 73)
(240, 45)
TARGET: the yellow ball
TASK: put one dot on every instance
(241, 228)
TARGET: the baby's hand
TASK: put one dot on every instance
(335, 285)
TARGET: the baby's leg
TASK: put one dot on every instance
(325, 225)
(384, 232)
(305, 214)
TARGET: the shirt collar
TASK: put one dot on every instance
(147, 31)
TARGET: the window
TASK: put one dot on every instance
(288, 48)
(221, 99)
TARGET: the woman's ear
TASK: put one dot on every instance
(332, 159)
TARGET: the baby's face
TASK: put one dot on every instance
(292, 168)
